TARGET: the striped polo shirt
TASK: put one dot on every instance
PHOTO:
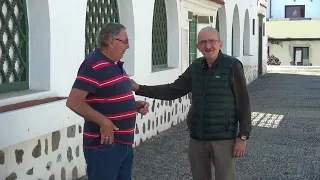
(110, 93)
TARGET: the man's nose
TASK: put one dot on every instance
(208, 45)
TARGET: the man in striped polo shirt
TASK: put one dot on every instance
(102, 95)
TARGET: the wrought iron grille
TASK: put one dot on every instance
(13, 46)
(159, 36)
(99, 13)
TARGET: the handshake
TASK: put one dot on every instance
(143, 107)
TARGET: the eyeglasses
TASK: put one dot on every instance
(123, 41)
(210, 41)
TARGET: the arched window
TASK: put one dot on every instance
(99, 13)
(159, 36)
(13, 46)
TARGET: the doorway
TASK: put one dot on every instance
(301, 56)
(193, 39)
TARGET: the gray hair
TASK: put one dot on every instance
(209, 28)
(111, 29)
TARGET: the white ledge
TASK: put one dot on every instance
(24, 124)
(22, 96)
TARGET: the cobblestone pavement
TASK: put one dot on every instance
(285, 142)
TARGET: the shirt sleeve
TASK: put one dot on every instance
(86, 79)
(239, 88)
(178, 88)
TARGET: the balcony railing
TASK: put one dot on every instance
(291, 19)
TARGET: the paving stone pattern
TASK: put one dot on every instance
(285, 142)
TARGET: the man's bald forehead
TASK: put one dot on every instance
(209, 28)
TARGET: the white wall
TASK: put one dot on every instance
(57, 43)
(226, 17)
(285, 51)
(278, 8)
(143, 46)
(249, 61)
(56, 53)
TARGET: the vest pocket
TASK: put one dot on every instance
(226, 118)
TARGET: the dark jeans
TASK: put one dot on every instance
(111, 162)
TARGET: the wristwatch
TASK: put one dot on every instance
(243, 137)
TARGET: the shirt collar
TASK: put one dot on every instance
(108, 59)
(215, 62)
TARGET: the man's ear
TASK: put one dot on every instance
(198, 47)
(221, 44)
(110, 42)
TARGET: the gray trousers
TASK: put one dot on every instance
(202, 154)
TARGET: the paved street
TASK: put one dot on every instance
(285, 143)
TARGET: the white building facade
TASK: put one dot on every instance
(293, 9)
(290, 45)
(44, 42)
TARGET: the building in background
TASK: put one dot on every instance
(43, 43)
(241, 27)
(293, 35)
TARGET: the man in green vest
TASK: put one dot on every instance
(220, 104)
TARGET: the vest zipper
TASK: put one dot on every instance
(202, 105)
(226, 114)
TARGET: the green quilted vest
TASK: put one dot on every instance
(213, 112)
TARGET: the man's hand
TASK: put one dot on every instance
(135, 86)
(239, 148)
(107, 131)
(142, 107)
